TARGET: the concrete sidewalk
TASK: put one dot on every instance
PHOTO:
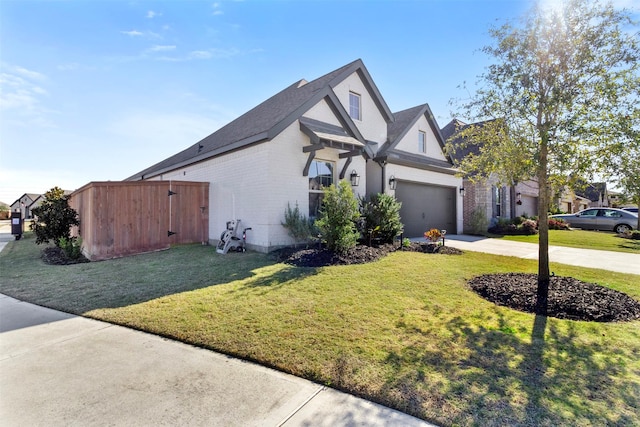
(607, 260)
(60, 369)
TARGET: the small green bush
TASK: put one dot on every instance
(338, 216)
(299, 227)
(72, 247)
(478, 222)
(516, 226)
(380, 218)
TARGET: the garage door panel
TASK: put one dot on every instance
(425, 207)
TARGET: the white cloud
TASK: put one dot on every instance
(216, 9)
(20, 90)
(132, 33)
(150, 35)
(200, 54)
(162, 48)
(151, 14)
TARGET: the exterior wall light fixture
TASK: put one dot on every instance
(392, 182)
(462, 191)
(355, 178)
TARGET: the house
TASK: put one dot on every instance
(489, 197)
(311, 135)
(24, 204)
(570, 202)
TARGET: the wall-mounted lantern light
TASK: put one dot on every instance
(462, 191)
(392, 182)
(355, 178)
(519, 198)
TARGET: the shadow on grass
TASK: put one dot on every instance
(493, 377)
(131, 280)
(630, 244)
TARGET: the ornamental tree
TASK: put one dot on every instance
(338, 216)
(552, 101)
(54, 217)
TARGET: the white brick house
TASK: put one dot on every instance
(316, 133)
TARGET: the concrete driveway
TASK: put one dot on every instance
(621, 262)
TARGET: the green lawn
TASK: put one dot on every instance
(584, 239)
(405, 331)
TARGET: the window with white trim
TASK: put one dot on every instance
(321, 175)
(355, 106)
(422, 142)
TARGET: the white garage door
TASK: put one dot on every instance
(425, 207)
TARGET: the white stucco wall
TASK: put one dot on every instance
(409, 142)
(372, 126)
(406, 173)
(256, 183)
(321, 111)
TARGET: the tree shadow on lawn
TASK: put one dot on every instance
(122, 282)
(492, 377)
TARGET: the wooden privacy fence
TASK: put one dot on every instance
(125, 218)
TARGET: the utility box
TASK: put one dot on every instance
(17, 226)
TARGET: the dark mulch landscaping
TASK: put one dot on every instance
(56, 256)
(569, 298)
(361, 254)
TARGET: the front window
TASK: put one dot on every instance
(321, 175)
(354, 106)
(497, 205)
(422, 142)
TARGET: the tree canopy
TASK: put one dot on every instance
(54, 217)
(563, 84)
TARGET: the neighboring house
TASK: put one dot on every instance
(488, 196)
(41, 197)
(570, 202)
(313, 134)
(598, 194)
(5, 210)
(23, 204)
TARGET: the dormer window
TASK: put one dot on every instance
(355, 110)
(422, 142)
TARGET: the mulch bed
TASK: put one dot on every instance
(361, 254)
(56, 256)
(568, 298)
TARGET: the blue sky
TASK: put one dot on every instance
(99, 90)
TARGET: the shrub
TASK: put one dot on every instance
(528, 226)
(516, 226)
(54, 217)
(71, 247)
(338, 216)
(558, 224)
(380, 218)
(478, 222)
(299, 227)
(406, 242)
(634, 235)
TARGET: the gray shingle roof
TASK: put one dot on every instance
(266, 120)
(403, 121)
(450, 134)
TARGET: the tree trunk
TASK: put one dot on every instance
(543, 229)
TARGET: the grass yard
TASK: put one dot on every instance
(584, 239)
(404, 331)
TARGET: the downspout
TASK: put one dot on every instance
(383, 184)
